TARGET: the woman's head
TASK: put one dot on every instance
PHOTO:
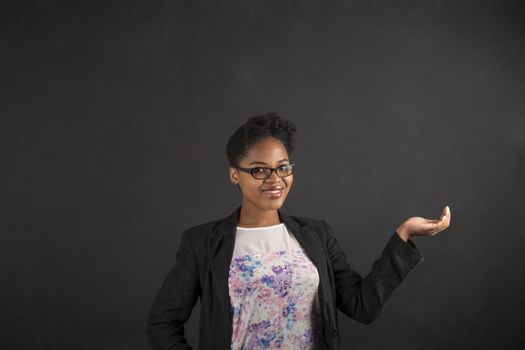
(263, 141)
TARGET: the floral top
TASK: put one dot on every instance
(273, 291)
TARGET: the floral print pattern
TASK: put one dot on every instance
(274, 301)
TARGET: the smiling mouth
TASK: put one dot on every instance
(273, 193)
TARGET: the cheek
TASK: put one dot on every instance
(252, 187)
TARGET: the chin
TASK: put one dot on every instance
(275, 204)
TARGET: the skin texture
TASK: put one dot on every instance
(257, 210)
(418, 226)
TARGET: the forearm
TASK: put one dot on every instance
(363, 298)
(403, 234)
(174, 302)
(166, 335)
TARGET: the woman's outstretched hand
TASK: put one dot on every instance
(418, 226)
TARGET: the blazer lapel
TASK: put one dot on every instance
(222, 251)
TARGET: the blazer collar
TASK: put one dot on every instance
(303, 231)
(222, 252)
(228, 225)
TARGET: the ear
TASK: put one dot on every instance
(234, 176)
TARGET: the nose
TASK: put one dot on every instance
(273, 177)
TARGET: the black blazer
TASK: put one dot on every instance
(202, 266)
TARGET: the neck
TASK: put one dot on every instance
(251, 216)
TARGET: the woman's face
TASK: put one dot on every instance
(270, 153)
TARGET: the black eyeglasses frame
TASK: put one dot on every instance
(250, 170)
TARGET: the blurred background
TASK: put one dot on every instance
(114, 117)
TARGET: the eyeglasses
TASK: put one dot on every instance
(261, 173)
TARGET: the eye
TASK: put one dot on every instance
(258, 170)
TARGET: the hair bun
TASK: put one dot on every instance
(256, 128)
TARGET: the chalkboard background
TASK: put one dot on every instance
(114, 121)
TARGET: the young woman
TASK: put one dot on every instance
(266, 279)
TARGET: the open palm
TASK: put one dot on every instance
(418, 226)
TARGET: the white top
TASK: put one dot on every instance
(260, 240)
(273, 291)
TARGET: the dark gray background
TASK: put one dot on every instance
(115, 117)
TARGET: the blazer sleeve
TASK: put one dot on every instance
(174, 301)
(361, 298)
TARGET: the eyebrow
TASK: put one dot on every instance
(263, 163)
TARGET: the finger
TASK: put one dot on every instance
(447, 217)
(441, 218)
(436, 230)
(435, 225)
(440, 226)
(432, 225)
(432, 232)
(443, 214)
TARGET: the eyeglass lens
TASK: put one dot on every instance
(263, 173)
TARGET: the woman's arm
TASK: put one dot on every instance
(361, 298)
(174, 302)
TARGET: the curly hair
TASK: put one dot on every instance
(256, 128)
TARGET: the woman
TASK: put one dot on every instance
(266, 279)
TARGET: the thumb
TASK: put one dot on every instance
(444, 213)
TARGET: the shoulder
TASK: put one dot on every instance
(203, 227)
(304, 220)
(320, 225)
(200, 230)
